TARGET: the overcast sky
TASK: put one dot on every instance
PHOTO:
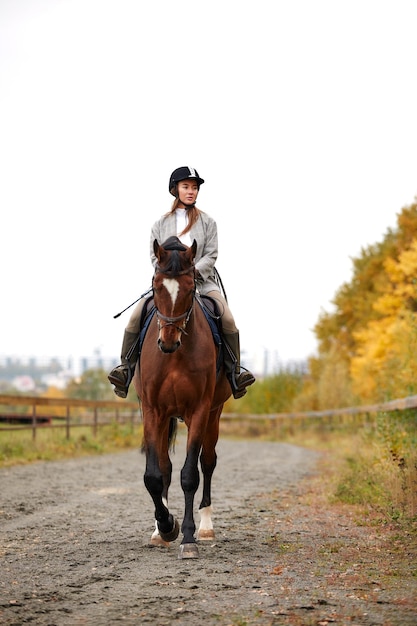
(301, 117)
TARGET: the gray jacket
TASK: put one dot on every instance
(204, 232)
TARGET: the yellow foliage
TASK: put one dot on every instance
(388, 304)
(403, 273)
(54, 392)
(384, 364)
(54, 411)
(407, 263)
(374, 328)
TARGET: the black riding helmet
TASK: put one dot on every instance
(183, 173)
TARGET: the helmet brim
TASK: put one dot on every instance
(200, 181)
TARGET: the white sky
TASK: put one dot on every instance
(300, 115)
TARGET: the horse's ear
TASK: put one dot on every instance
(194, 248)
(156, 248)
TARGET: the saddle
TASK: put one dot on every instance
(211, 312)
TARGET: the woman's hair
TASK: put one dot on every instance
(192, 214)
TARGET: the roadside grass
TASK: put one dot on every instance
(370, 461)
(17, 447)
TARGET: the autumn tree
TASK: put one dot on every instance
(385, 364)
(92, 385)
(372, 329)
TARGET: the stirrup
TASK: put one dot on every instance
(121, 377)
(244, 379)
(239, 382)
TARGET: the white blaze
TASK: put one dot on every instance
(172, 286)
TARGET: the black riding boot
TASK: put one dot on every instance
(238, 379)
(121, 376)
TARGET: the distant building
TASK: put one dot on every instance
(28, 373)
(24, 383)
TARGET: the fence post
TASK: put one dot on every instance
(67, 422)
(34, 422)
(95, 422)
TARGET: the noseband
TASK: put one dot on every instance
(170, 321)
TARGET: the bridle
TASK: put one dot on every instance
(171, 321)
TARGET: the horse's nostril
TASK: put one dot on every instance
(168, 348)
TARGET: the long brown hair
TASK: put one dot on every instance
(192, 215)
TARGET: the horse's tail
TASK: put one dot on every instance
(172, 433)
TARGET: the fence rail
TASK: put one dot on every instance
(401, 404)
(125, 411)
(45, 412)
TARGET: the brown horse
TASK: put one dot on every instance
(177, 379)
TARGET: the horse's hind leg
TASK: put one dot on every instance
(208, 460)
(205, 530)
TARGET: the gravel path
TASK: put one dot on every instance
(74, 548)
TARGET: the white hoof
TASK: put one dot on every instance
(205, 535)
(156, 539)
(205, 530)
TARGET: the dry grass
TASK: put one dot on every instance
(371, 463)
(18, 447)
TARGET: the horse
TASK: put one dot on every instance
(177, 378)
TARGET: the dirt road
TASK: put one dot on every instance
(74, 548)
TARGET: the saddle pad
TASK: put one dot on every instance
(211, 312)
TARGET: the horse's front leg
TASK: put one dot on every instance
(157, 479)
(190, 479)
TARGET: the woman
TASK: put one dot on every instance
(187, 222)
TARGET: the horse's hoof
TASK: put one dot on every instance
(205, 535)
(188, 551)
(172, 534)
(156, 540)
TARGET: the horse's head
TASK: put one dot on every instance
(173, 288)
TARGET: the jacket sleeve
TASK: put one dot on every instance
(155, 234)
(208, 257)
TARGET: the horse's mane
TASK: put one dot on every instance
(173, 262)
(173, 243)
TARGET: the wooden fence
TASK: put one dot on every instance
(69, 412)
(63, 413)
(401, 404)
